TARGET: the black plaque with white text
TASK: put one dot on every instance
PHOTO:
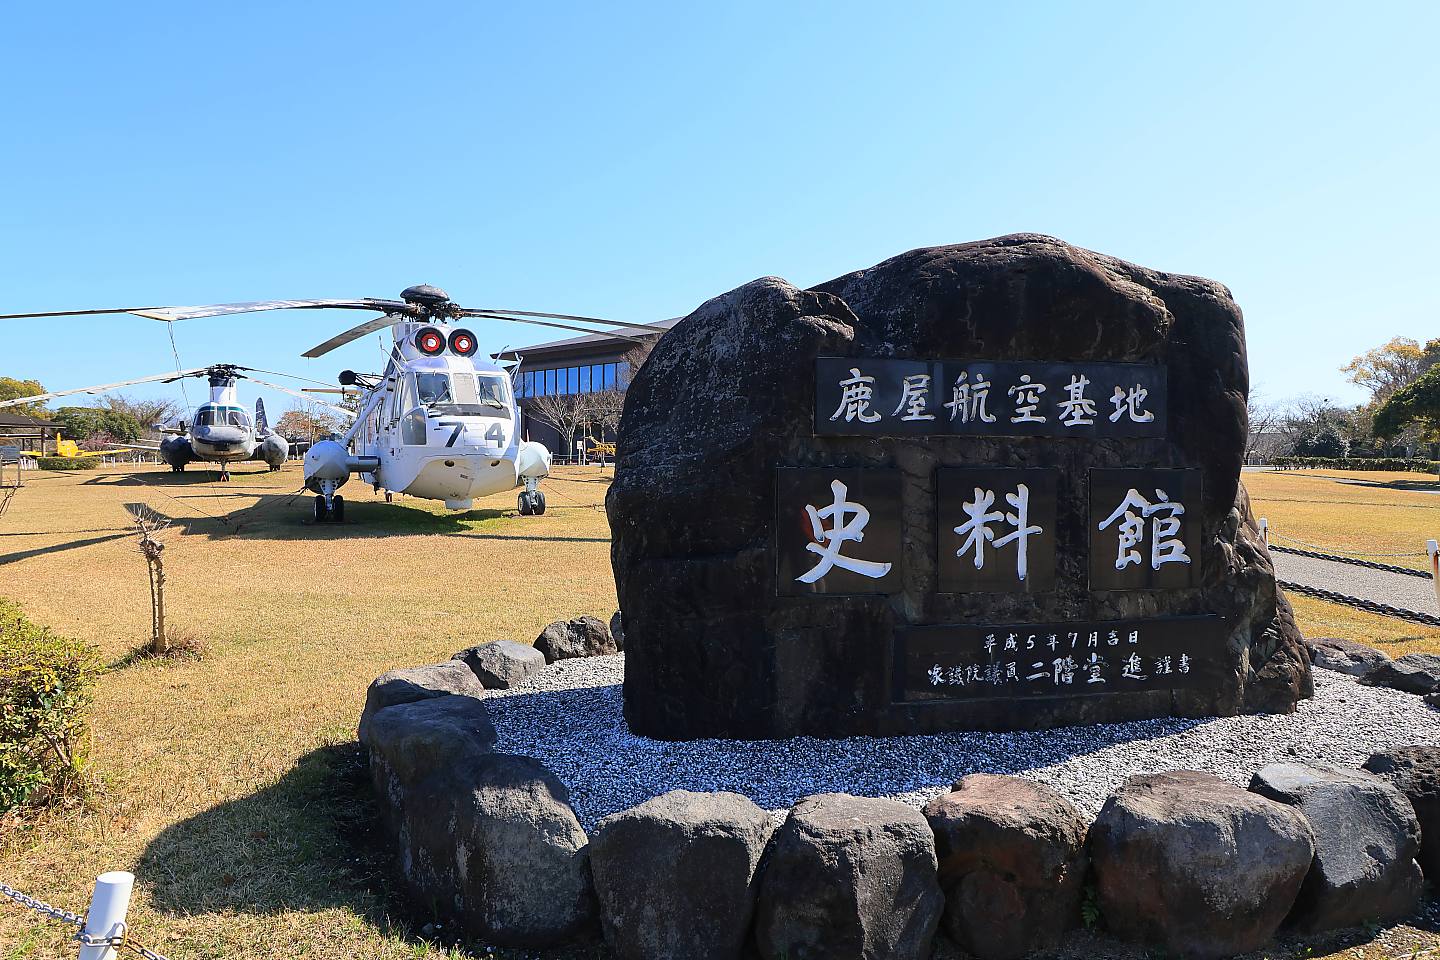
(837, 531)
(1022, 661)
(862, 396)
(1144, 529)
(996, 529)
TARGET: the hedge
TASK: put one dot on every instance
(1388, 464)
(67, 463)
(46, 685)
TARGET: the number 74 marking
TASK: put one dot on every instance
(495, 435)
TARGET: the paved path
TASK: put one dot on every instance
(1398, 590)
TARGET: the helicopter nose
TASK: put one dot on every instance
(223, 435)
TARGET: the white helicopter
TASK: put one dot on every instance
(220, 432)
(439, 423)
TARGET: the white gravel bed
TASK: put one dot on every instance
(568, 716)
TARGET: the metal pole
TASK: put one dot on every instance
(1433, 548)
(106, 916)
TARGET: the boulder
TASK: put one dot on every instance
(1195, 865)
(1012, 865)
(849, 877)
(409, 742)
(1412, 673)
(727, 398)
(416, 683)
(581, 637)
(617, 630)
(500, 664)
(675, 876)
(1415, 770)
(1345, 656)
(1433, 699)
(1366, 841)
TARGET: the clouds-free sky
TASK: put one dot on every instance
(632, 160)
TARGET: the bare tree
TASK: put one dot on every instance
(307, 420)
(1265, 421)
(147, 413)
(565, 412)
(148, 524)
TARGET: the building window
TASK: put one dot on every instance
(549, 382)
(584, 379)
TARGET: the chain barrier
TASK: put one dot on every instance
(1369, 606)
(1316, 546)
(120, 941)
(1353, 561)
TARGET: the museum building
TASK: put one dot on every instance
(577, 365)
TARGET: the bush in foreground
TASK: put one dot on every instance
(46, 685)
(67, 463)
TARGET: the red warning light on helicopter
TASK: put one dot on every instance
(430, 341)
(462, 343)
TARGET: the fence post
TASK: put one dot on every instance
(1433, 548)
(106, 916)
(1265, 531)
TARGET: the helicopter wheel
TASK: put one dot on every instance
(321, 514)
(337, 510)
(539, 503)
(525, 506)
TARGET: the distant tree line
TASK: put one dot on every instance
(1400, 420)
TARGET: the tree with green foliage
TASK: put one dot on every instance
(82, 423)
(1417, 403)
(12, 389)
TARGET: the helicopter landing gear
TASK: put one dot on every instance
(224, 474)
(335, 513)
(389, 496)
(532, 502)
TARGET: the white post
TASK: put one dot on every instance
(1265, 531)
(1433, 548)
(106, 916)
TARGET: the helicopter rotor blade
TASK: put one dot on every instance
(509, 314)
(483, 315)
(169, 314)
(354, 333)
(170, 377)
(350, 414)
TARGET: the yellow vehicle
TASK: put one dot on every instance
(70, 449)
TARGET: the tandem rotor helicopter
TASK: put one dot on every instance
(439, 422)
(221, 431)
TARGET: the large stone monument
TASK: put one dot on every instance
(986, 486)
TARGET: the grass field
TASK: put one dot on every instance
(1377, 514)
(231, 786)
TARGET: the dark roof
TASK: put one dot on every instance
(610, 339)
(8, 419)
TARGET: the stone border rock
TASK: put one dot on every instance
(486, 844)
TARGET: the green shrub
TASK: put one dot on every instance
(46, 685)
(67, 463)
(1387, 464)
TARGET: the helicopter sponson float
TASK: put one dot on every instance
(440, 422)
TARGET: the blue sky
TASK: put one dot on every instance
(632, 160)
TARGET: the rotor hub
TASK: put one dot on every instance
(428, 298)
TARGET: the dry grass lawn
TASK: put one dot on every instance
(1375, 514)
(230, 785)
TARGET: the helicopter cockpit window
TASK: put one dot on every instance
(237, 418)
(461, 394)
(205, 417)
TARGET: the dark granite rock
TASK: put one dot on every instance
(1415, 770)
(1193, 864)
(500, 664)
(416, 683)
(1012, 865)
(727, 396)
(675, 876)
(581, 637)
(485, 843)
(1345, 656)
(1433, 699)
(617, 629)
(1366, 841)
(849, 877)
(1412, 673)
